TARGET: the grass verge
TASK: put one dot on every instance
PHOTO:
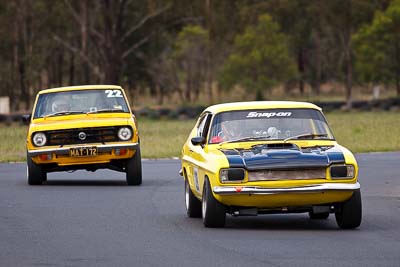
(366, 131)
(12, 143)
(163, 138)
(358, 131)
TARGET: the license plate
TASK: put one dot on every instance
(83, 151)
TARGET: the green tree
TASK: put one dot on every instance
(26, 51)
(301, 21)
(190, 55)
(260, 58)
(111, 32)
(344, 18)
(377, 48)
(295, 20)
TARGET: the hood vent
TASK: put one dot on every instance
(276, 146)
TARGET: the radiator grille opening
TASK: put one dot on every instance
(276, 175)
(93, 135)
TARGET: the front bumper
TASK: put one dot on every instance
(65, 150)
(253, 190)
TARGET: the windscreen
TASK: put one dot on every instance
(269, 124)
(80, 101)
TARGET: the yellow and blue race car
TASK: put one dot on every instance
(252, 158)
(82, 127)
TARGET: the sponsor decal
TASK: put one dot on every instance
(238, 189)
(196, 179)
(254, 114)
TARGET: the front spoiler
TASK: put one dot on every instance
(248, 190)
(65, 150)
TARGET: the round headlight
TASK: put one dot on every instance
(125, 133)
(39, 139)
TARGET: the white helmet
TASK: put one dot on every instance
(60, 105)
(273, 132)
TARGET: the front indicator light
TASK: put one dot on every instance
(350, 171)
(44, 157)
(39, 139)
(125, 133)
(120, 151)
(223, 175)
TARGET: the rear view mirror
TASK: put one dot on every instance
(26, 118)
(199, 140)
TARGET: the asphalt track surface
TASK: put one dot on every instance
(95, 219)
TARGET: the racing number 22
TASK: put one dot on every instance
(113, 93)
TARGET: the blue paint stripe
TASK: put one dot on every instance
(336, 157)
(235, 161)
(234, 158)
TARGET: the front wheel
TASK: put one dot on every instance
(193, 205)
(350, 212)
(36, 174)
(213, 212)
(134, 169)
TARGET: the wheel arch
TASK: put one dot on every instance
(184, 173)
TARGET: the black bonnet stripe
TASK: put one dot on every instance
(234, 158)
(336, 157)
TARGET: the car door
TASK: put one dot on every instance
(198, 154)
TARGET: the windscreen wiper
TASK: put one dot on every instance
(244, 139)
(63, 113)
(105, 110)
(305, 135)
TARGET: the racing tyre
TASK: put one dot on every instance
(213, 212)
(350, 212)
(318, 216)
(36, 174)
(193, 205)
(134, 169)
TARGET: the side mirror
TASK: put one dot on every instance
(26, 118)
(199, 140)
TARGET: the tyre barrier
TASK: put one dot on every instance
(191, 112)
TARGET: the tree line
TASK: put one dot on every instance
(186, 47)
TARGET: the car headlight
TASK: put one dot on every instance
(125, 133)
(232, 175)
(39, 139)
(342, 171)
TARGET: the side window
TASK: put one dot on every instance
(201, 125)
(204, 125)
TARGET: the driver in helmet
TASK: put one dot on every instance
(230, 130)
(61, 105)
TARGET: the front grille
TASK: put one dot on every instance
(93, 135)
(276, 175)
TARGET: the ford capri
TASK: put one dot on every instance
(82, 127)
(250, 158)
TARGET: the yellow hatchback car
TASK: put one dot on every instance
(82, 127)
(267, 157)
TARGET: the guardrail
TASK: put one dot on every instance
(193, 111)
(190, 112)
